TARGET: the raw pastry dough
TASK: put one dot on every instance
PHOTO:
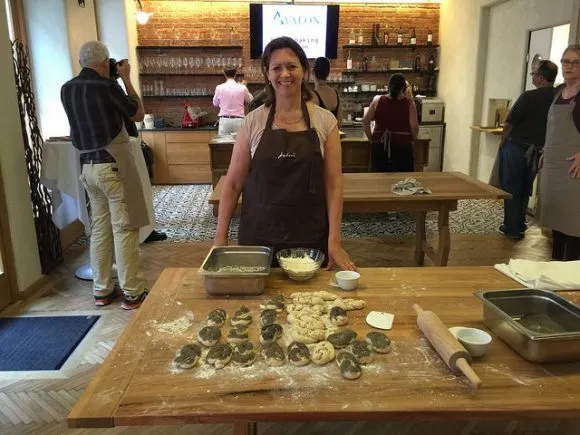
(349, 366)
(270, 333)
(298, 354)
(322, 353)
(306, 309)
(217, 317)
(342, 338)
(338, 316)
(242, 317)
(322, 294)
(188, 356)
(378, 342)
(307, 336)
(268, 317)
(362, 351)
(276, 303)
(306, 321)
(237, 335)
(244, 355)
(273, 354)
(348, 304)
(306, 299)
(219, 355)
(209, 335)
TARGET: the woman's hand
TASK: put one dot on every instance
(574, 170)
(337, 255)
(220, 241)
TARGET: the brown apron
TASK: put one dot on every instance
(559, 192)
(284, 199)
(136, 206)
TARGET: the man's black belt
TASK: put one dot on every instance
(229, 116)
(87, 160)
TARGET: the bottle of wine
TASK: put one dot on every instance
(413, 38)
(365, 61)
(431, 66)
(360, 37)
(352, 37)
(417, 65)
(349, 61)
(386, 37)
(430, 38)
(400, 37)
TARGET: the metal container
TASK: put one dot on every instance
(236, 270)
(540, 325)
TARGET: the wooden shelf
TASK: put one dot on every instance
(390, 46)
(186, 47)
(219, 74)
(346, 71)
(498, 131)
(178, 96)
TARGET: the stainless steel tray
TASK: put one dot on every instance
(540, 325)
(236, 270)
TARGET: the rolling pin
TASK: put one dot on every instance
(446, 345)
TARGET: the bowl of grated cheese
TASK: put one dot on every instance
(300, 264)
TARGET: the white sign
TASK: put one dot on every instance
(305, 24)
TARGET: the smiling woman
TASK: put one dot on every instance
(287, 161)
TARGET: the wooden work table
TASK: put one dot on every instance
(371, 193)
(137, 384)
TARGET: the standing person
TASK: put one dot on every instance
(95, 106)
(560, 161)
(396, 127)
(325, 96)
(231, 97)
(287, 162)
(524, 133)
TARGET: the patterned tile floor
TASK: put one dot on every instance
(183, 212)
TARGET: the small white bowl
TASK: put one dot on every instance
(475, 341)
(347, 279)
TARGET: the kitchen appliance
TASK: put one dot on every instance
(539, 325)
(430, 109)
(435, 134)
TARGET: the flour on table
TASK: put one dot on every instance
(176, 326)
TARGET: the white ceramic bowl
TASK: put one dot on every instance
(347, 279)
(475, 341)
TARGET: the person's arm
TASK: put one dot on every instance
(232, 186)
(333, 187)
(124, 71)
(369, 117)
(413, 120)
(216, 97)
(514, 117)
(248, 96)
(507, 130)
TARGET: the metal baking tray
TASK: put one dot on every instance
(539, 325)
(224, 273)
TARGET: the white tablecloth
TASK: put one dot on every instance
(68, 196)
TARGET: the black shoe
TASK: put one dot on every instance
(517, 237)
(155, 236)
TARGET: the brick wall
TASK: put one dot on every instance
(190, 23)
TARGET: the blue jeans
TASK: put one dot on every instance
(517, 178)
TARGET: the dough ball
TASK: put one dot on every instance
(209, 335)
(323, 353)
(276, 303)
(268, 317)
(216, 317)
(188, 356)
(245, 347)
(219, 355)
(243, 313)
(243, 357)
(342, 338)
(273, 354)
(378, 342)
(338, 316)
(307, 336)
(241, 321)
(298, 354)
(271, 333)
(362, 351)
(237, 335)
(350, 368)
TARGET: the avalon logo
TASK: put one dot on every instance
(296, 20)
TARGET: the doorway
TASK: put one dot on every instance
(544, 44)
(7, 276)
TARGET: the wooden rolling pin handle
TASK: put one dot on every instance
(418, 309)
(466, 369)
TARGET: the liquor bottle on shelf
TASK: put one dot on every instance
(365, 62)
(349, 61)
(413, 38)
(386, 37)
(400, 37)
(417, 65)
(352, 37)
(360, 37)
(375, 36)
(430, 38)
(431, 67)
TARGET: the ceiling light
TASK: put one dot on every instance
(141, 16)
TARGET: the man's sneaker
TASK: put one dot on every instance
(131, 303)
(518, 236)
(101, 301)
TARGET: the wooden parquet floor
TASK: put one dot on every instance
(39, 404)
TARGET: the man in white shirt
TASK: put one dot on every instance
(231, 97)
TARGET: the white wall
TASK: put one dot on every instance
(82, 27)
(470, 74)
(13, 163)
(509, 27)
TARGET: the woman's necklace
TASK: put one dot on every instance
(287, 121)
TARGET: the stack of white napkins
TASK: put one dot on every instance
(409, 186)
(543, 275)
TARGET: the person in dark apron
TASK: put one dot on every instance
(292, 194)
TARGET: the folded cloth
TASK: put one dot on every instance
(409, 186)
(543, 275)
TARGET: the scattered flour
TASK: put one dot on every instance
(177, 326)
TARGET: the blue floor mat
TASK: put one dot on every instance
(40, 343)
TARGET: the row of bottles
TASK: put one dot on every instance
(354, 39)
(364, 64)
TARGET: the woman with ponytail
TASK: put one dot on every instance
(396, 127)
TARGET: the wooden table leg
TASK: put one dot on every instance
(245, 428)
(444, 237)
(420, 238)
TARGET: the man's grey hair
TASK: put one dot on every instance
(92, 53)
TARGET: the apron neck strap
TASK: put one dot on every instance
(305, 114)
